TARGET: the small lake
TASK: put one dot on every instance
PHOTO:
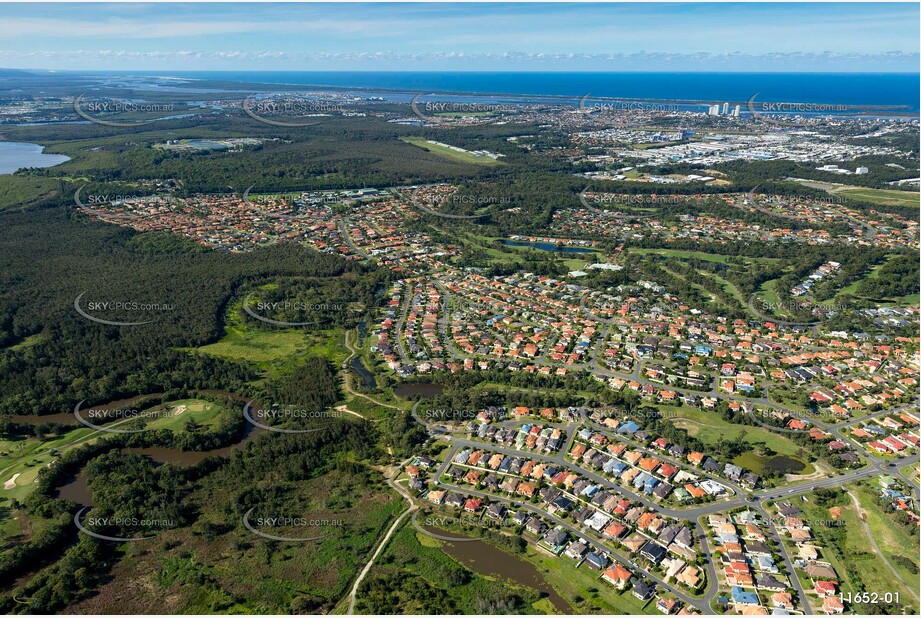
(410, 390)
(485, 559)
(17, 155)
(546, 246)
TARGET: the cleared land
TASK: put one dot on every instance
(883, 196)
(463, 157)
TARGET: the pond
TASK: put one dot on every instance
(783, 465)
(411, 390)
(485, 559)
(17, 155)
(367, 378)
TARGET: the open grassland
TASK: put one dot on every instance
(892, 539)
(699, 255)
(463, 157)
(17, 191)
(270, 346)
(883, 196)
(844, 544)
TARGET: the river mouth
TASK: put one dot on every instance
(485, 559)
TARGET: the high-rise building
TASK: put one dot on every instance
(714, 110)
(737, 111)
(725, 109)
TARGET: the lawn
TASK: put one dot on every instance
(463, 157)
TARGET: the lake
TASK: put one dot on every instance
(17, 155)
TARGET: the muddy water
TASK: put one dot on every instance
(68, 418)
(485, 559)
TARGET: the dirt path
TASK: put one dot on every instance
(396, 524)
(862, 515)
(348, 386)
(343, 408)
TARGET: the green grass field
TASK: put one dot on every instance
(851, 289)
(710, 429)
(699, 255)
(463, 157)
(891, 539)
(883, 196)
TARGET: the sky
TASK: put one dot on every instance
(848, 37)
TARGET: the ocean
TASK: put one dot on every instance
(852, 89)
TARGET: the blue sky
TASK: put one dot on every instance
(463, 37)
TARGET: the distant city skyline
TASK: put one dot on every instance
(732, 37)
